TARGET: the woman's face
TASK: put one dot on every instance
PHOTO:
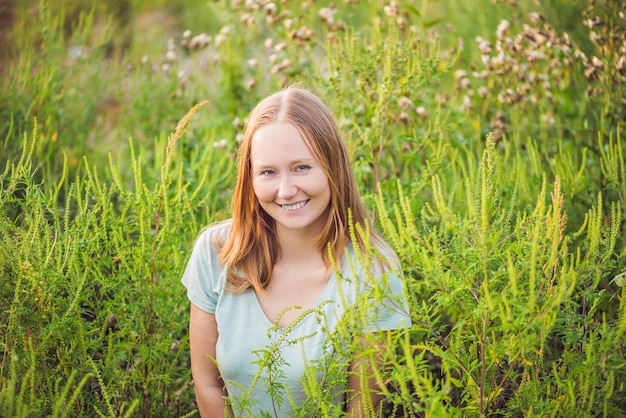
(288, 182)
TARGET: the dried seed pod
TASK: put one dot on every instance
(199, 41)
(221, 144)
(467, 103)
(391, 10)
(220, 39)
(112, 321)
(596, 62)
(327, 14)
(270, 8)
(250, 83)
(503, 28)
(405, 102)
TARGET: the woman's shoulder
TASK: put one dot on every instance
(204, 275)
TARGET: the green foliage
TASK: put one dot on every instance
(46, 76)
(505, 305)
(513, 248)
(92, 283)
(391, 76)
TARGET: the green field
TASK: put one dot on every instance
(487, 141)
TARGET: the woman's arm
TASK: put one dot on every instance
(210, 391)
(363, 391)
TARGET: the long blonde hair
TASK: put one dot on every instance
(251, 249)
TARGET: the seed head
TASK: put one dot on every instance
(391, 10)
(220, 38)
(404, 117)
(596, 62)
(327, 14)
(401, 21)
(405, 102)
(270, 8)
(247, 19)
(221, 144)
(250, 83)
(170, 56)
(199, 41)
(467, 103)
(285, 63)
(503, 28)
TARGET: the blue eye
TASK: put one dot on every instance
(303, 167)
(267, 172)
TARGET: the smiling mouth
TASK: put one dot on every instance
(295, 206)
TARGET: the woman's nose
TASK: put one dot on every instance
(286, 188)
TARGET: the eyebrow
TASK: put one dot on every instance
(293, 162)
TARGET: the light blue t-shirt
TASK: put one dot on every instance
(271, 371)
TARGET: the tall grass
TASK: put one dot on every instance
(504, 195)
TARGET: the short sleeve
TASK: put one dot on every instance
(387, 303)
(204, 277)
(378, 293)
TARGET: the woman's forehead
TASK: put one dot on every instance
(279, 141)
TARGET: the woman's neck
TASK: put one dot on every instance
(297, 246)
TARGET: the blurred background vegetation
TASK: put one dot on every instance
(101, 196)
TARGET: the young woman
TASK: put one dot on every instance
(272, 289)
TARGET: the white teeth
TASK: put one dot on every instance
(295, 206)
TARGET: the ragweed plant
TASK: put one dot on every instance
(44, 73)
(390, 73)
(85, 301)
(493, 287)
